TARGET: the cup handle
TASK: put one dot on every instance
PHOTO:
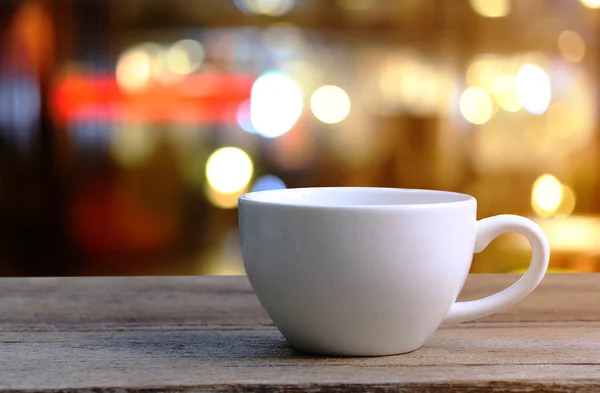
(487, 230)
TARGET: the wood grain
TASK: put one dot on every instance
(198, 334)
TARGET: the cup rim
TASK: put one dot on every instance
(265, 198)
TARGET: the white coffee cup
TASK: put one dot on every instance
(372, 271)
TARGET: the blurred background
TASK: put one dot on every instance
(129, 128)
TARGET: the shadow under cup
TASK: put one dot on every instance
(357, 271)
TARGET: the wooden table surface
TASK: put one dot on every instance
(197, 334)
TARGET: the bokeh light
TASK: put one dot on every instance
(185, 57)
(546, 195)
(571, 46)
(330, 104)
(229, 170)
(491, 8)
(483, 72)
(268, 182)
(161, 71)
(476, 106)
(534, 89)
(242, 117)
(506, 93)
(591, 3)
(275, 104)
(134, 70)
(223, 200)
(20, 103)
(568, 202)
(265, 7)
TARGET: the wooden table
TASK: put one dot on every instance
(197, 334)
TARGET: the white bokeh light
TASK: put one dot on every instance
(275, 104)
(591, 3)
(535, 92)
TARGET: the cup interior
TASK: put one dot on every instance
(354, 196)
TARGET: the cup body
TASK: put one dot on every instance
(357, 271)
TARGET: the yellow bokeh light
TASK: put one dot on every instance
(476, 106)
(580, 234)
(266, 7)
(534, 89)
(185, 57)
(568, 202)
(224, 200)
(591, 3)
(330, 104)
(134, 70)
(483, 72)
(506, 93)
(160, 67)
(546, 195)
(491, 8)
(229, 170)
(571, 46)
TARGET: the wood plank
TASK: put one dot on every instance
(204, 359)
(143, 302)
(197, 334)
(559, 298)
(172, 302)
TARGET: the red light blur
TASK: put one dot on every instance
(200, 98)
